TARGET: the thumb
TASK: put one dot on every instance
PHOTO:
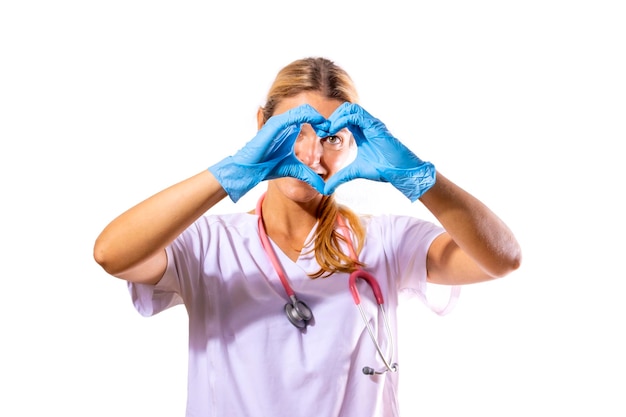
(344, 175)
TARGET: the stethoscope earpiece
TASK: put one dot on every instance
(371, 371)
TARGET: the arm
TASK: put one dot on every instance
(477, 245)
(132, 246)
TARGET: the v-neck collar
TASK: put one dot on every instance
(306, 254)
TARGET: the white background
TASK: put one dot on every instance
(521, 103)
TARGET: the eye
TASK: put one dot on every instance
(333, 141)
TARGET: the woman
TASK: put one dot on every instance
(235, 272)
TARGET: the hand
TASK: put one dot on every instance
(270, 154)
(380, 156)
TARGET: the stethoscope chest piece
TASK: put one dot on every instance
(298, 313)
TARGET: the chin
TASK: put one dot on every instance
(297, 190)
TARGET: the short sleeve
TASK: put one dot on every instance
(414, 238)
(152, 299)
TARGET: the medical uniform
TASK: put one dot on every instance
(246, 359)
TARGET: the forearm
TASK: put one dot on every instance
(147, 228)
(476, 230)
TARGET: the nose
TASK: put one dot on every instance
(309, 149)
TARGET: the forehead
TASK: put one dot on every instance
(324, 106)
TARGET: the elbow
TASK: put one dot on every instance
(508, 262)
(103, 257)
(100, 256)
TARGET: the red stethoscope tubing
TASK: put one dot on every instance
(378, 295)
(369, 278)
(265, 241)
(300, 309)
(359, 273)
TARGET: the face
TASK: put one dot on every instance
(325, 155)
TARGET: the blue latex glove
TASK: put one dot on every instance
(270, 154)
(380, 157)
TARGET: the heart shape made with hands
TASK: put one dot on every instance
(374, 153)
(377, 156)
(340, 144)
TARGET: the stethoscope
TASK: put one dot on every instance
(299, 313)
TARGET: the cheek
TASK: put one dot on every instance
(336, 160)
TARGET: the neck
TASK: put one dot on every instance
(281, 212)
(288, 222)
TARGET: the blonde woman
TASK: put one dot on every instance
(283, 319)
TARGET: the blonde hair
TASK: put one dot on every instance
(325, 77)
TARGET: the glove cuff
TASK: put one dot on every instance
(415, 181)
(237, 179)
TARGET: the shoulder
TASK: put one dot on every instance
(229, 225)
(402, 235)
(227, 221)
(398, 225)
